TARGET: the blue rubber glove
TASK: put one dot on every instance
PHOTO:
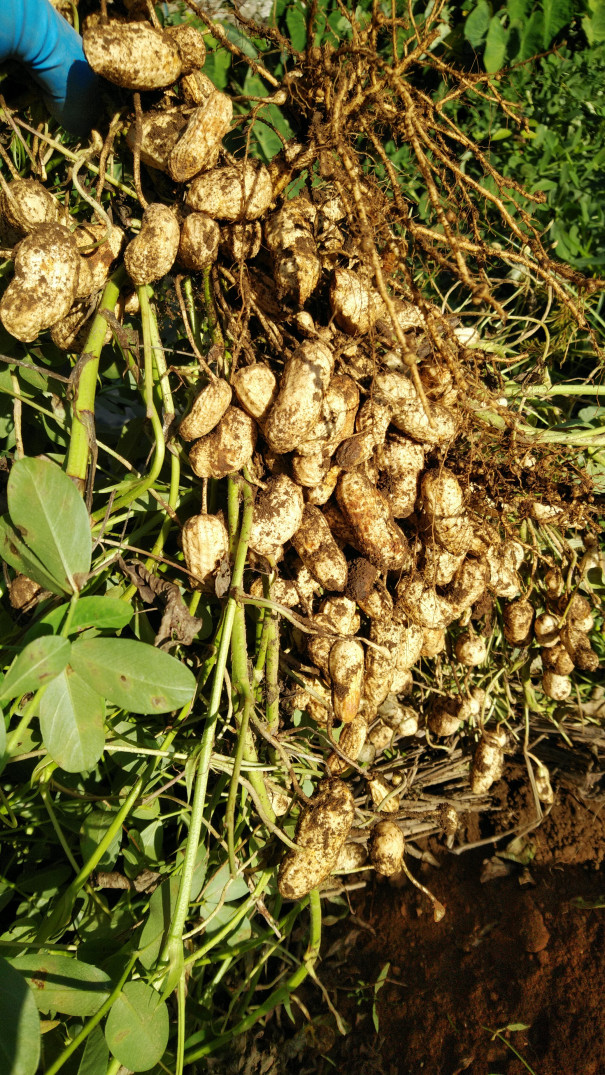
(32, 32)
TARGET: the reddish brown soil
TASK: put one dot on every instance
(522, 948)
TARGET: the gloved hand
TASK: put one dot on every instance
(33, 33)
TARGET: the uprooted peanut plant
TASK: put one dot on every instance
(306, 475)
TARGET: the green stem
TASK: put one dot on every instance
(194, 320)
(172, 949)
(30, 712)
(80, 880)
(279, 995)
(92, 1023)
(83, 407)
(538, 391)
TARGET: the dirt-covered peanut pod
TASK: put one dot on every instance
(518, 618)
(467, 586)
(352, 857)
(371, 425)
(356, 305)
(438, 565)
(160, 131)
(387, 847)
(410, 646)
(402, 719)
(71, 332)
(556, 686)
(337, 422)
(106, 244)
(198, 146)
(579, 614)
(313, 698)
(205, 544)
(380, 736)
(381, 663)
(283, 591)
(25, 204)
(351, 743)
(487, 763)
(22, 590)
(433, 641)
(320, 494)
(421, 605)
(345, 668)
(302, 388)
(543, 785)
(470, 649)
(321, 832)
(310, 470)
(557, 659)
(44, 285)
(441, 493)
(133, 55)
(289, 238)
(383, 794)
(366, 587)
(444, 717)
(435, 429)
(367, 511)
(152, 253)
(546, 629)
(256, 389)
(400, 462)
(503, 563)
(189, 43)
(241, 242)
(227, 448)
(577, 644)
(206, 410)
(278, 513)
(240, 192)
(318, 550)
(553, 582)
(199, 242)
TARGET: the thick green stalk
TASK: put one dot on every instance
(279, 995)
(172, 951)
(83, 406)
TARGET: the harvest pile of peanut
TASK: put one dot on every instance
(344, 417)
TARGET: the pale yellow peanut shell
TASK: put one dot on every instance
(71, 332)
(318, 550)
(351, 743)
(355, 304)
(44, 284)
(227, 448)
(422, 605)
(310, 470)
(320, 494)
(440, 566)
(152, 253)
(256, 389)
(468, 585)
(400, 462)
(321, 832)
(412, 419)
(557, 659)
(340, 612)
(487, 764)
(337, 420)
(232, 192)
(160, 131)
(278, 512)
(205, 544)
(296, 265)
(445, 716)
(470, 649)
(197, 87)
(441, 493)
(133, 55)
(433, 641)
(367, 511)
(199, 241)
(241, 242)
(387, 846)
(556, 687)
(352, 857)
(546, 629)
(518, 617)
(302, 388)
(379, 788)
(402, 719)
(189, 44)
(410, 647)
(371, 423)
(577, 644)
(394, 390)
(25, 204)
(368, 590)
(197, 145)
(107, 243)
(283, 591)
(345, 667)
(579, 614)
(206, 410)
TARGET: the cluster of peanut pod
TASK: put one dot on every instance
(365, 534)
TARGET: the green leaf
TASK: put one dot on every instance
(477, 24)
(217, 64)
(222, 888)
(532, 33)
(297, 26)
(94, 827)
(16, 553)
(104, 613)
(62, 984)
(40, 662)
(137, 1027)
(19, 1025)
(495, 45)
(3, 757)
(95, 1059)
(557, 15)
(594, 24)
(49, 512)
(133, 675)
(72, 715)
